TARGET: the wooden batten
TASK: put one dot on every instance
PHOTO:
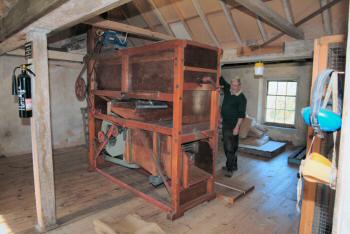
(247, 51)
(108, 24)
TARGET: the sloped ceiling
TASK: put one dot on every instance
(5, 6)
(140, 13)
(182, 15)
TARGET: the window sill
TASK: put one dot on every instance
(272, 127)
(276, 125)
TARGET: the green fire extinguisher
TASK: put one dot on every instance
(21, 87)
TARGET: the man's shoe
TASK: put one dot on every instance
(224, 168)
(229, 173)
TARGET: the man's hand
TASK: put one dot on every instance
(235, 131)
(206, 79)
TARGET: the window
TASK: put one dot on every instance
(280, 103)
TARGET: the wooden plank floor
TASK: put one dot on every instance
(82, 196)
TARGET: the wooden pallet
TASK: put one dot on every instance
(297, 156)
(229, 190)
(268, 150)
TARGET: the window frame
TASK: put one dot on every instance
(274, 124)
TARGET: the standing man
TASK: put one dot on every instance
(232, 113)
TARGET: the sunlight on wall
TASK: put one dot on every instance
(4, 228)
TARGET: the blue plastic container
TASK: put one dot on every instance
(328, 120)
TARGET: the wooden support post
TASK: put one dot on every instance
(91, 77)
(320, 63)
(176, 152)
(214, 124)
(125, 74)
(41, 133)
(308, 205)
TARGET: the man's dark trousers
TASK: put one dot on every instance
(230, 147)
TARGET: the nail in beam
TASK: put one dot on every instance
(41, 133)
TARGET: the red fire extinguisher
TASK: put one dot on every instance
(21, 87)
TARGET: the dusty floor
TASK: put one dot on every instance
(83, 196)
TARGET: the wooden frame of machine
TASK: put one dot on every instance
(155, 96)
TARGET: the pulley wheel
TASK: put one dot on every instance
(80, 89)
(101, 136)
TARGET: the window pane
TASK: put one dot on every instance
(292, 88)
(279, 116)
(290, 103)
(270, 115)
(290, 117)
(281, 88)
(272, 87)
(281, 102)
(271, 102)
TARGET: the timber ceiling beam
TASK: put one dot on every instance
(209, 13)
(227, 11)
(269, 16)
(53, 55)
(300, 22)
(205, 22)
(25, 12)
(60, 18)
(108, 24)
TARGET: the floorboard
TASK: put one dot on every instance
(82, 196)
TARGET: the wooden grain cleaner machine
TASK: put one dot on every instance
(149, 110)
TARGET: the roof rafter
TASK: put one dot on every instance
(300, 22)
(160, 17)
(145, 17)
(268, 15)
(261, 29)
(326, 18)
(24, 13)
(205, 22)
(60, 18)
(182, 18)
(231, 22)
(288, 11)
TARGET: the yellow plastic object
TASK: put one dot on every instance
(317, 169)
(259, 69)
